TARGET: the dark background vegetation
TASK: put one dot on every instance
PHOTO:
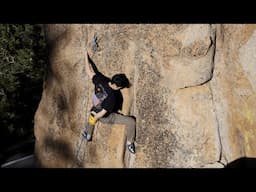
(23, 58)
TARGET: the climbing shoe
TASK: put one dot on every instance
(131, 148)
(86, 136)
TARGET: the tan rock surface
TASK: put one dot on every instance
(193, 95)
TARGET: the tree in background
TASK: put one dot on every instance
(23, 57)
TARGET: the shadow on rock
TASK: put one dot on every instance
(59, 148)
(243, 162)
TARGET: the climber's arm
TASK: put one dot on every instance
(99, 114)
(88, 68)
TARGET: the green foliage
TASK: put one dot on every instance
(23, 57)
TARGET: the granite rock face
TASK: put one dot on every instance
(193, 95)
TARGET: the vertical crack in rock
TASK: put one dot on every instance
(218, 130)
(213, 103)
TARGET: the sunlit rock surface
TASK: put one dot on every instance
(193, 95)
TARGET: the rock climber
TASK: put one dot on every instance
(107, 104)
